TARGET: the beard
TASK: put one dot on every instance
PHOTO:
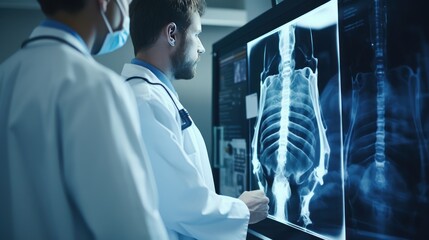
(184, 68)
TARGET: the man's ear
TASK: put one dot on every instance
(171, 33)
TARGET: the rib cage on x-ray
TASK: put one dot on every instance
(300, 125)
(385, 122)
(289, 144)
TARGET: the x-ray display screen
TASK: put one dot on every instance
(324, 105)
(385, 90)
(296, 144)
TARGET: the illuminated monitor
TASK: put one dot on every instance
(384, 48)
(296, 144)
(276, 80)
(324, 105)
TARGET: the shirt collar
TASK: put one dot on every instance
(61, 26)
(160, 75)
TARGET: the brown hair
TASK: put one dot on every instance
(50, 7)
(148, 17)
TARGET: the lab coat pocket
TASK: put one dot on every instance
(191, 151)
(189, 144)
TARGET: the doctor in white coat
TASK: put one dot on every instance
(72, 165)
(165, 34)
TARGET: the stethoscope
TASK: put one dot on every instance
(184, 115)
(48, 37)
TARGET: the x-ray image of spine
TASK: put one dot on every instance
(385, 144)
(289, 137)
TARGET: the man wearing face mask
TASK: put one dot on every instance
(72, 164)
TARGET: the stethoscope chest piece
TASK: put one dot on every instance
(186, 119)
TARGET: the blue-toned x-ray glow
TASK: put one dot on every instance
(386, 148)
(292, 158)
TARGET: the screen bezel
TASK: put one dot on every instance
(279, 15)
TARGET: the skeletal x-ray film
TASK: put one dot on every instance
(385, 88)
(296, 153)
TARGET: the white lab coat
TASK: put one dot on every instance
(71, 163)
(188, 202)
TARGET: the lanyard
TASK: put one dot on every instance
(47, 37)
(184, 115)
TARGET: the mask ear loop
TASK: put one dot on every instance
(122, 9)
(106, 21)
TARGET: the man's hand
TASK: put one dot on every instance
(257, 203)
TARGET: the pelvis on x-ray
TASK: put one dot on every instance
(289, 146)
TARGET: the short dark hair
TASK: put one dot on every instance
(50, 7)
(148, 17)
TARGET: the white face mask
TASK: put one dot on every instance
(115, 39)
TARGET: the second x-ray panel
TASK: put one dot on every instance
(296, 151)
(385, 88)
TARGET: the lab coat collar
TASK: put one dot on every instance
(134, 70)
(60, 33)
(158, 73)
(61, 26)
